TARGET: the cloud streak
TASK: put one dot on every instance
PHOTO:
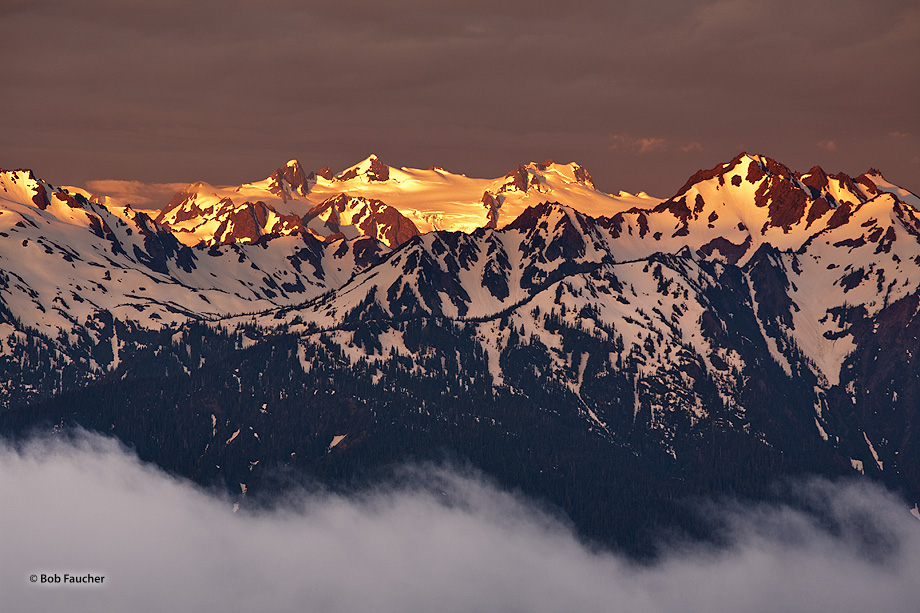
(440, 541)
(649, 144)
(141, 196)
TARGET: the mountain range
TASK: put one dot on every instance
(613, 355)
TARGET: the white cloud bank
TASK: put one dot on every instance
(88, 506)
(141, 196)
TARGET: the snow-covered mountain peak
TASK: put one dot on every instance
(873, 182)
(753, 166)
(545, 176)
(347, 217)
(768, 178)
(758, 301)
(437, 199)
(546, 215)
(369, 169)
(203, 213)
(16, 175)
(22, 182)
(763, 195)
(288, 182)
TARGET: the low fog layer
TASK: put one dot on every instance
(457, 544)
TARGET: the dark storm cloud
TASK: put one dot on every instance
(225, 92)
(441, 542)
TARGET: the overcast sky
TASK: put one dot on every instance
(642, 93)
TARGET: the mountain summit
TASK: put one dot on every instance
(289, 181)
(609, 354)
(427, 200)
(370, 169)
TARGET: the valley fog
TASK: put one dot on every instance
(442, 540)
